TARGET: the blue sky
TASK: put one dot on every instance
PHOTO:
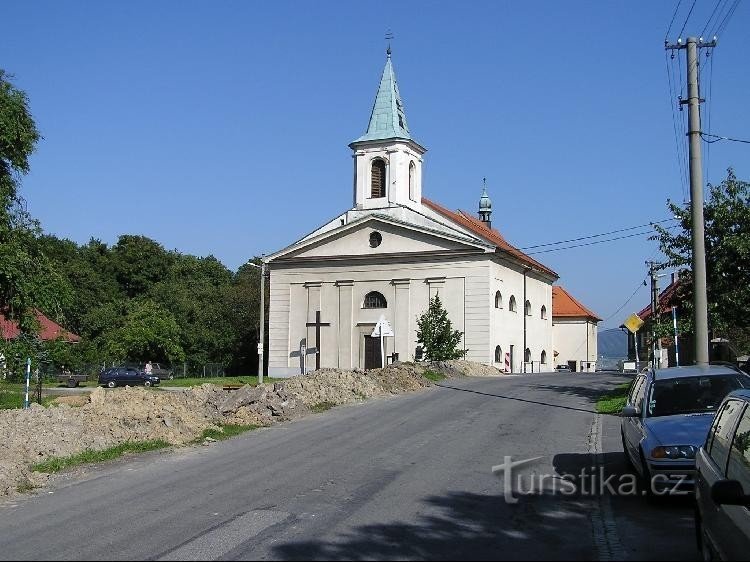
(222, 127)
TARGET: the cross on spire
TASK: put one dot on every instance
(388, 37)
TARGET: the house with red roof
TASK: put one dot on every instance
(374, 268)
(574, 331)
(49, 330)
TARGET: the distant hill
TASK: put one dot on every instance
(613, 344)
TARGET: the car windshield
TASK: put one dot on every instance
(691, 395)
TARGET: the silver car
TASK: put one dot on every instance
(667, 417)
(723, 481)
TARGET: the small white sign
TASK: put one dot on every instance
(382, 328)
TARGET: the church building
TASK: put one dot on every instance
(380, 262)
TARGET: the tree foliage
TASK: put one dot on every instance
(436, 334)
(146, 332)
(27, 279)
(727, 235)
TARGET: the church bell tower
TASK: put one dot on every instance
(387, 160)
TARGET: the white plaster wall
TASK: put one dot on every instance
(397, 155)
(507, 327)
(570, 342)
(462, 283)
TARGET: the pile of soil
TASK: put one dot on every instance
(110, 417)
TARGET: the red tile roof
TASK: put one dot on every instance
(49, 330)
(666, 299)
(490, 234)
(565, 306)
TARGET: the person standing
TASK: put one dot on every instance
(148, 368)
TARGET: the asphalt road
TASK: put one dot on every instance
(407, 477)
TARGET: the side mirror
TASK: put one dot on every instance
(729, 492)
(630, 412)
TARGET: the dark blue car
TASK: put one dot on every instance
(120, 376)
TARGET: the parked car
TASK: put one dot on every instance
(117, 376)
(159, 370)
(667, 417)
(722, 518)
(563, 368)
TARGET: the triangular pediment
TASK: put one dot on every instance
(356, 240)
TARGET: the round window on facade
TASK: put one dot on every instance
(375, 239)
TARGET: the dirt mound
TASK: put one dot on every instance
(109, 417)
(74, 400)
(458, 368)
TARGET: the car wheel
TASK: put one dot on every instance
(111, 384)
(146, 383)
(72, 383)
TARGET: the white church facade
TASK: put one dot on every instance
(388, 255)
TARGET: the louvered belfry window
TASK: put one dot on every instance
(378, 179)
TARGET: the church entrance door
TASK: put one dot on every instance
(372, 353)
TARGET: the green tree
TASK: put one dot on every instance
(195, 290)
(27, 279)
(436, 334)
(139, 263)
(727, 234)
(147, 332)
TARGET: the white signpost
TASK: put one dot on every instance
(381, 330)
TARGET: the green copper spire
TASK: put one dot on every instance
(388, 120)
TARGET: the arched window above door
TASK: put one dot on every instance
(374, 299)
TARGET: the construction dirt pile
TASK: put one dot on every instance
(110, 417)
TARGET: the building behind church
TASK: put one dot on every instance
(388, 255)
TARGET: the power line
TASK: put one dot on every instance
(642, 283)
(710, 19)
(727, 18)
(687, 18)
(591, 243)
(718, 138)
(680, 147)
(666, 35)
(597, 235)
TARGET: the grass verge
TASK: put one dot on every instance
(613, 402)
(12, 398)
(194, 381)
(226, 431)
(56, 464)
(434, 376)
(322, 407)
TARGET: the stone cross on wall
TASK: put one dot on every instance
(317, 325)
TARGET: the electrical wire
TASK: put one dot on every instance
(718, 138)
(679, 148)
(725, 22)
(687, 18)
(596, 235)
(591, 243)
(666, 35)
(710, 19)
(630, 298)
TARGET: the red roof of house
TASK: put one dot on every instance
(480, 229)
(665, 300)
(49, 330)
(565, 306)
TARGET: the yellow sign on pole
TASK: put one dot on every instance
(633, 323)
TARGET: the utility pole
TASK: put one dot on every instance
(262, 317)
(700, 300)
(654, 309)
